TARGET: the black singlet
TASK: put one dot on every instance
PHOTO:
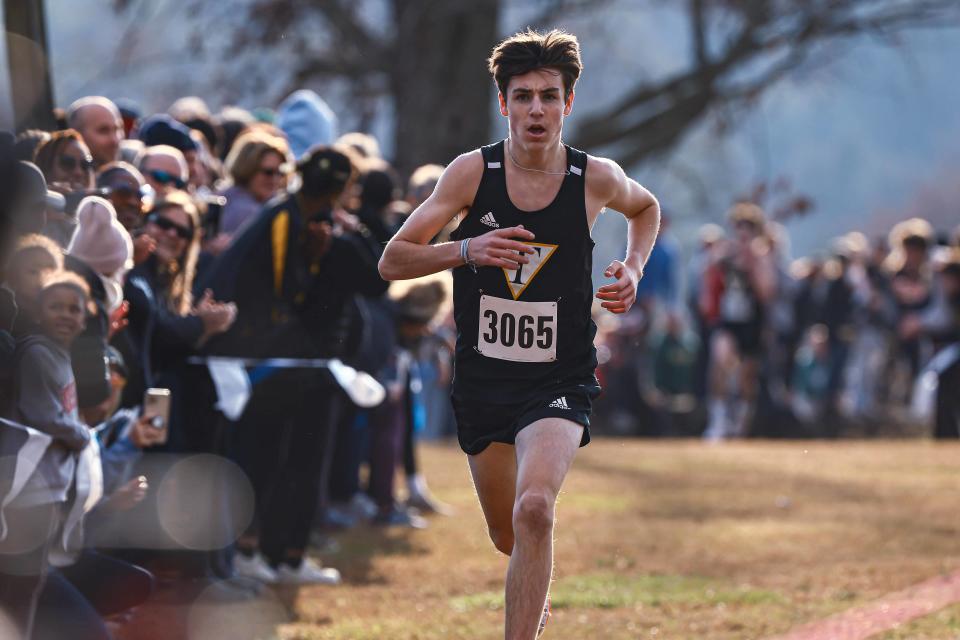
(521, 332)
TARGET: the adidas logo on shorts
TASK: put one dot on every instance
(489, 220)
(559, 403)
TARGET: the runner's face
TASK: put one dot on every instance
(535, 107)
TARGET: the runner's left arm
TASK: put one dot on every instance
(642, 211)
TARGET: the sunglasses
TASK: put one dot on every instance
(166, 178)
(69, 163)
(185, 233)
(271, 172)
(126, 191)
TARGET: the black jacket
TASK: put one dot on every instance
(156, 339)
(287, 306)
(89, 351)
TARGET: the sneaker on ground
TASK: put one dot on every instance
(338, 519)
(543, 618)
(427, 503)
(363, 506)
(309, 572)
(256, 567)
(398, 517)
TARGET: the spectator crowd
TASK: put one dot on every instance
(861, 339)
(202, 374)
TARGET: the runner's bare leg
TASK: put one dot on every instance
(494, 473)
(545, 450)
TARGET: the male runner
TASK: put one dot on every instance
(522, 255)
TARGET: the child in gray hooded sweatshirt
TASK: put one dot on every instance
(46, 400)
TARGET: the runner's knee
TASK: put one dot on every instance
(533, 513)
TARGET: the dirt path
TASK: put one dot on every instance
(884, 614)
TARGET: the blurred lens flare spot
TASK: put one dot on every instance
(204, 502)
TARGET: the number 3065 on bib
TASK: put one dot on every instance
(517, 331)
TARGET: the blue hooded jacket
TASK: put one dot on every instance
(307, 121)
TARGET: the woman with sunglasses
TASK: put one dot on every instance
(127, 189)
(67, 165)
(256, 165)
(124, 187)
(164, 169)
(165, 324)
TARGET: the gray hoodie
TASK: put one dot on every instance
(46, 399)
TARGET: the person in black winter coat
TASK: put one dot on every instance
(165, 326)
(291, 277)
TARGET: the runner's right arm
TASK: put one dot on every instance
(410, 255)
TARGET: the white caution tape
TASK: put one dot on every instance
(362, 388)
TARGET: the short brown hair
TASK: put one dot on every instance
(246, 154)
(530, 50)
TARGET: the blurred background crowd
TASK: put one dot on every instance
(203, 377)
(859, 339)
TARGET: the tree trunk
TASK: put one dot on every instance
(442, 91)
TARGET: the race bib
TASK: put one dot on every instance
(517, 331)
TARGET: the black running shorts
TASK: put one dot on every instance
(481, 422)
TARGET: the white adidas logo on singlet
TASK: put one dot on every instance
(559, 403)
(489, 220)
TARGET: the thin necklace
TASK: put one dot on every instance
(520, 166)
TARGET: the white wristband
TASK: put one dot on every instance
(465, 254)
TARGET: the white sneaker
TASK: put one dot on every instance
(255, 567)
(309, 572)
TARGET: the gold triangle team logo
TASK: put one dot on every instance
(519, 279)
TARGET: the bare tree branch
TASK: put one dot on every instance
(351, 33)
(698, 32)
(738, 50)
(655, 116)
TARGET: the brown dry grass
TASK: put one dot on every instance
(675, 540)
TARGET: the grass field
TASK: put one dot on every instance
(656, 539)
(668, 540)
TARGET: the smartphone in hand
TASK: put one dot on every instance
(156, 405)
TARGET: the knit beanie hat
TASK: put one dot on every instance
(100, 240)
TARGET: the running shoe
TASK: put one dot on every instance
(425, 502)
(309, 572)
(256, 567)
(546, 616)
(399, 517)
